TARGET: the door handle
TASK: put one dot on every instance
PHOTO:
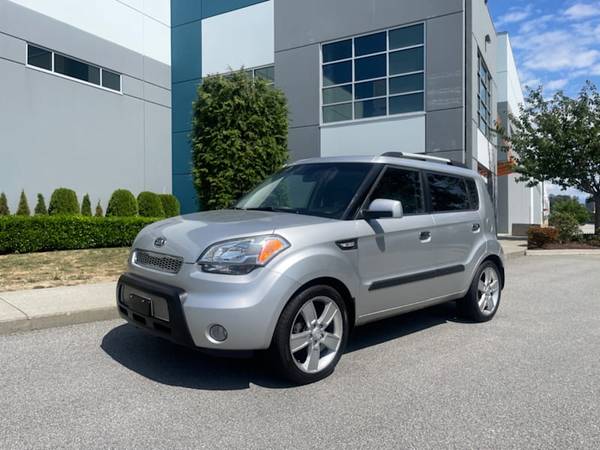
(476, 227)
(425, 236)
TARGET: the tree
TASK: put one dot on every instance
(86, 206)
(23, 208)
(149, 205)
(122, 203)
(571, 207)
(558, 140)
(4, 210)
(99, 212)
(63, 202)
(40, 207)
(239, 136)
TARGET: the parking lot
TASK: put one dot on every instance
(528, 379)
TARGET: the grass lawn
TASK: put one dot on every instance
(62, 268)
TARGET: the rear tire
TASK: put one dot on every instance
(311, 335)
(483, 298)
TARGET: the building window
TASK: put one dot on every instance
(484, 96)
(374, 75)
(72, 68)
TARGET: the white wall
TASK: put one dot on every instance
(374, 137)
(139, 25)
(509, 85)
(483, 150)
(240, 38)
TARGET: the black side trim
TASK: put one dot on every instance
(382, 284)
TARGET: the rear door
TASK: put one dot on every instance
(457, 235)
(394, 252)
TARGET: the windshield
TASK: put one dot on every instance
(323, 189)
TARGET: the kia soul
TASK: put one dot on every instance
(320, 247)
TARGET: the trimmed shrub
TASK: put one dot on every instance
(40, 207)
(566, 224)
(122, 203)
(149, 205)
(538, 236)
(86, 206)
(239, 136)
(63, 202)
(4, 211)
(99, 212)
(46, 233)
(170, 205)
(23, 209)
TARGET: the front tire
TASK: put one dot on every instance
(311, 335)
(483, 298)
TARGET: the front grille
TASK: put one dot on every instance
(157, 261)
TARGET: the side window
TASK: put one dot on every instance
(473, 194)
(403, 185)
(448, 193)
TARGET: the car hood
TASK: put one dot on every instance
(188, 236)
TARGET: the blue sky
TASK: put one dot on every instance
(556, 45)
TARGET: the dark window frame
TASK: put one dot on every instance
(53, 70)
(383, 169)
(354, 58)
(466, 186)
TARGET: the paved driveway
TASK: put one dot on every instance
(528, 379)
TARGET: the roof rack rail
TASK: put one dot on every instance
(421, 157)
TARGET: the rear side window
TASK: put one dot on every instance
(448, 193)
(403, 185)
(473, 194)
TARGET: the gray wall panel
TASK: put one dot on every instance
(155, 94)
(445, 130)
(299, 23)
(12, 49)
(31, 26)
(445, 67)
(304, 142)
(297, 73)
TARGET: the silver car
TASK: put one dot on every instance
(319, 248)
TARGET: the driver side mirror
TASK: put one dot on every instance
(381, 208)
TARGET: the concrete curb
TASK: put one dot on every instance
(37, 309)
(514, 255)
(57, 320)
(563, 252)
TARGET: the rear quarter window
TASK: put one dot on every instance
(448, 193)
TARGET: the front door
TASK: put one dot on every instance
(393, 253)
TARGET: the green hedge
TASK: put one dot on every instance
(170, 205)
(45, 233)
(122, 203)
(149, 205)
(63, 202)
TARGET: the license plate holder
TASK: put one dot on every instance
(139, 304)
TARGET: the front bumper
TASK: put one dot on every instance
(248, 307)
(176, 329)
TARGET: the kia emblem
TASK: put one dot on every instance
(160, 242)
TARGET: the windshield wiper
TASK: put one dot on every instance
(272, 209)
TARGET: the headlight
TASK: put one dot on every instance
(241, 256)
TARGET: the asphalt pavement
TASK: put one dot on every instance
(528, 379)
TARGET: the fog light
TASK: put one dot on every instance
(218, 333)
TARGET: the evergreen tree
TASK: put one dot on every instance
(40, 207)
(99, 212)
(4, 211)
(86, 206)
(23, 209)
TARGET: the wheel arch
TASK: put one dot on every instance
(498, 261)
(340, 287)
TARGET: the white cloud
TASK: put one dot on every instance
(555, 85)
(583, 11)
(514, 15)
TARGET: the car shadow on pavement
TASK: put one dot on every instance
(167, 363)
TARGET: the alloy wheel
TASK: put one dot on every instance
(316, 334)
